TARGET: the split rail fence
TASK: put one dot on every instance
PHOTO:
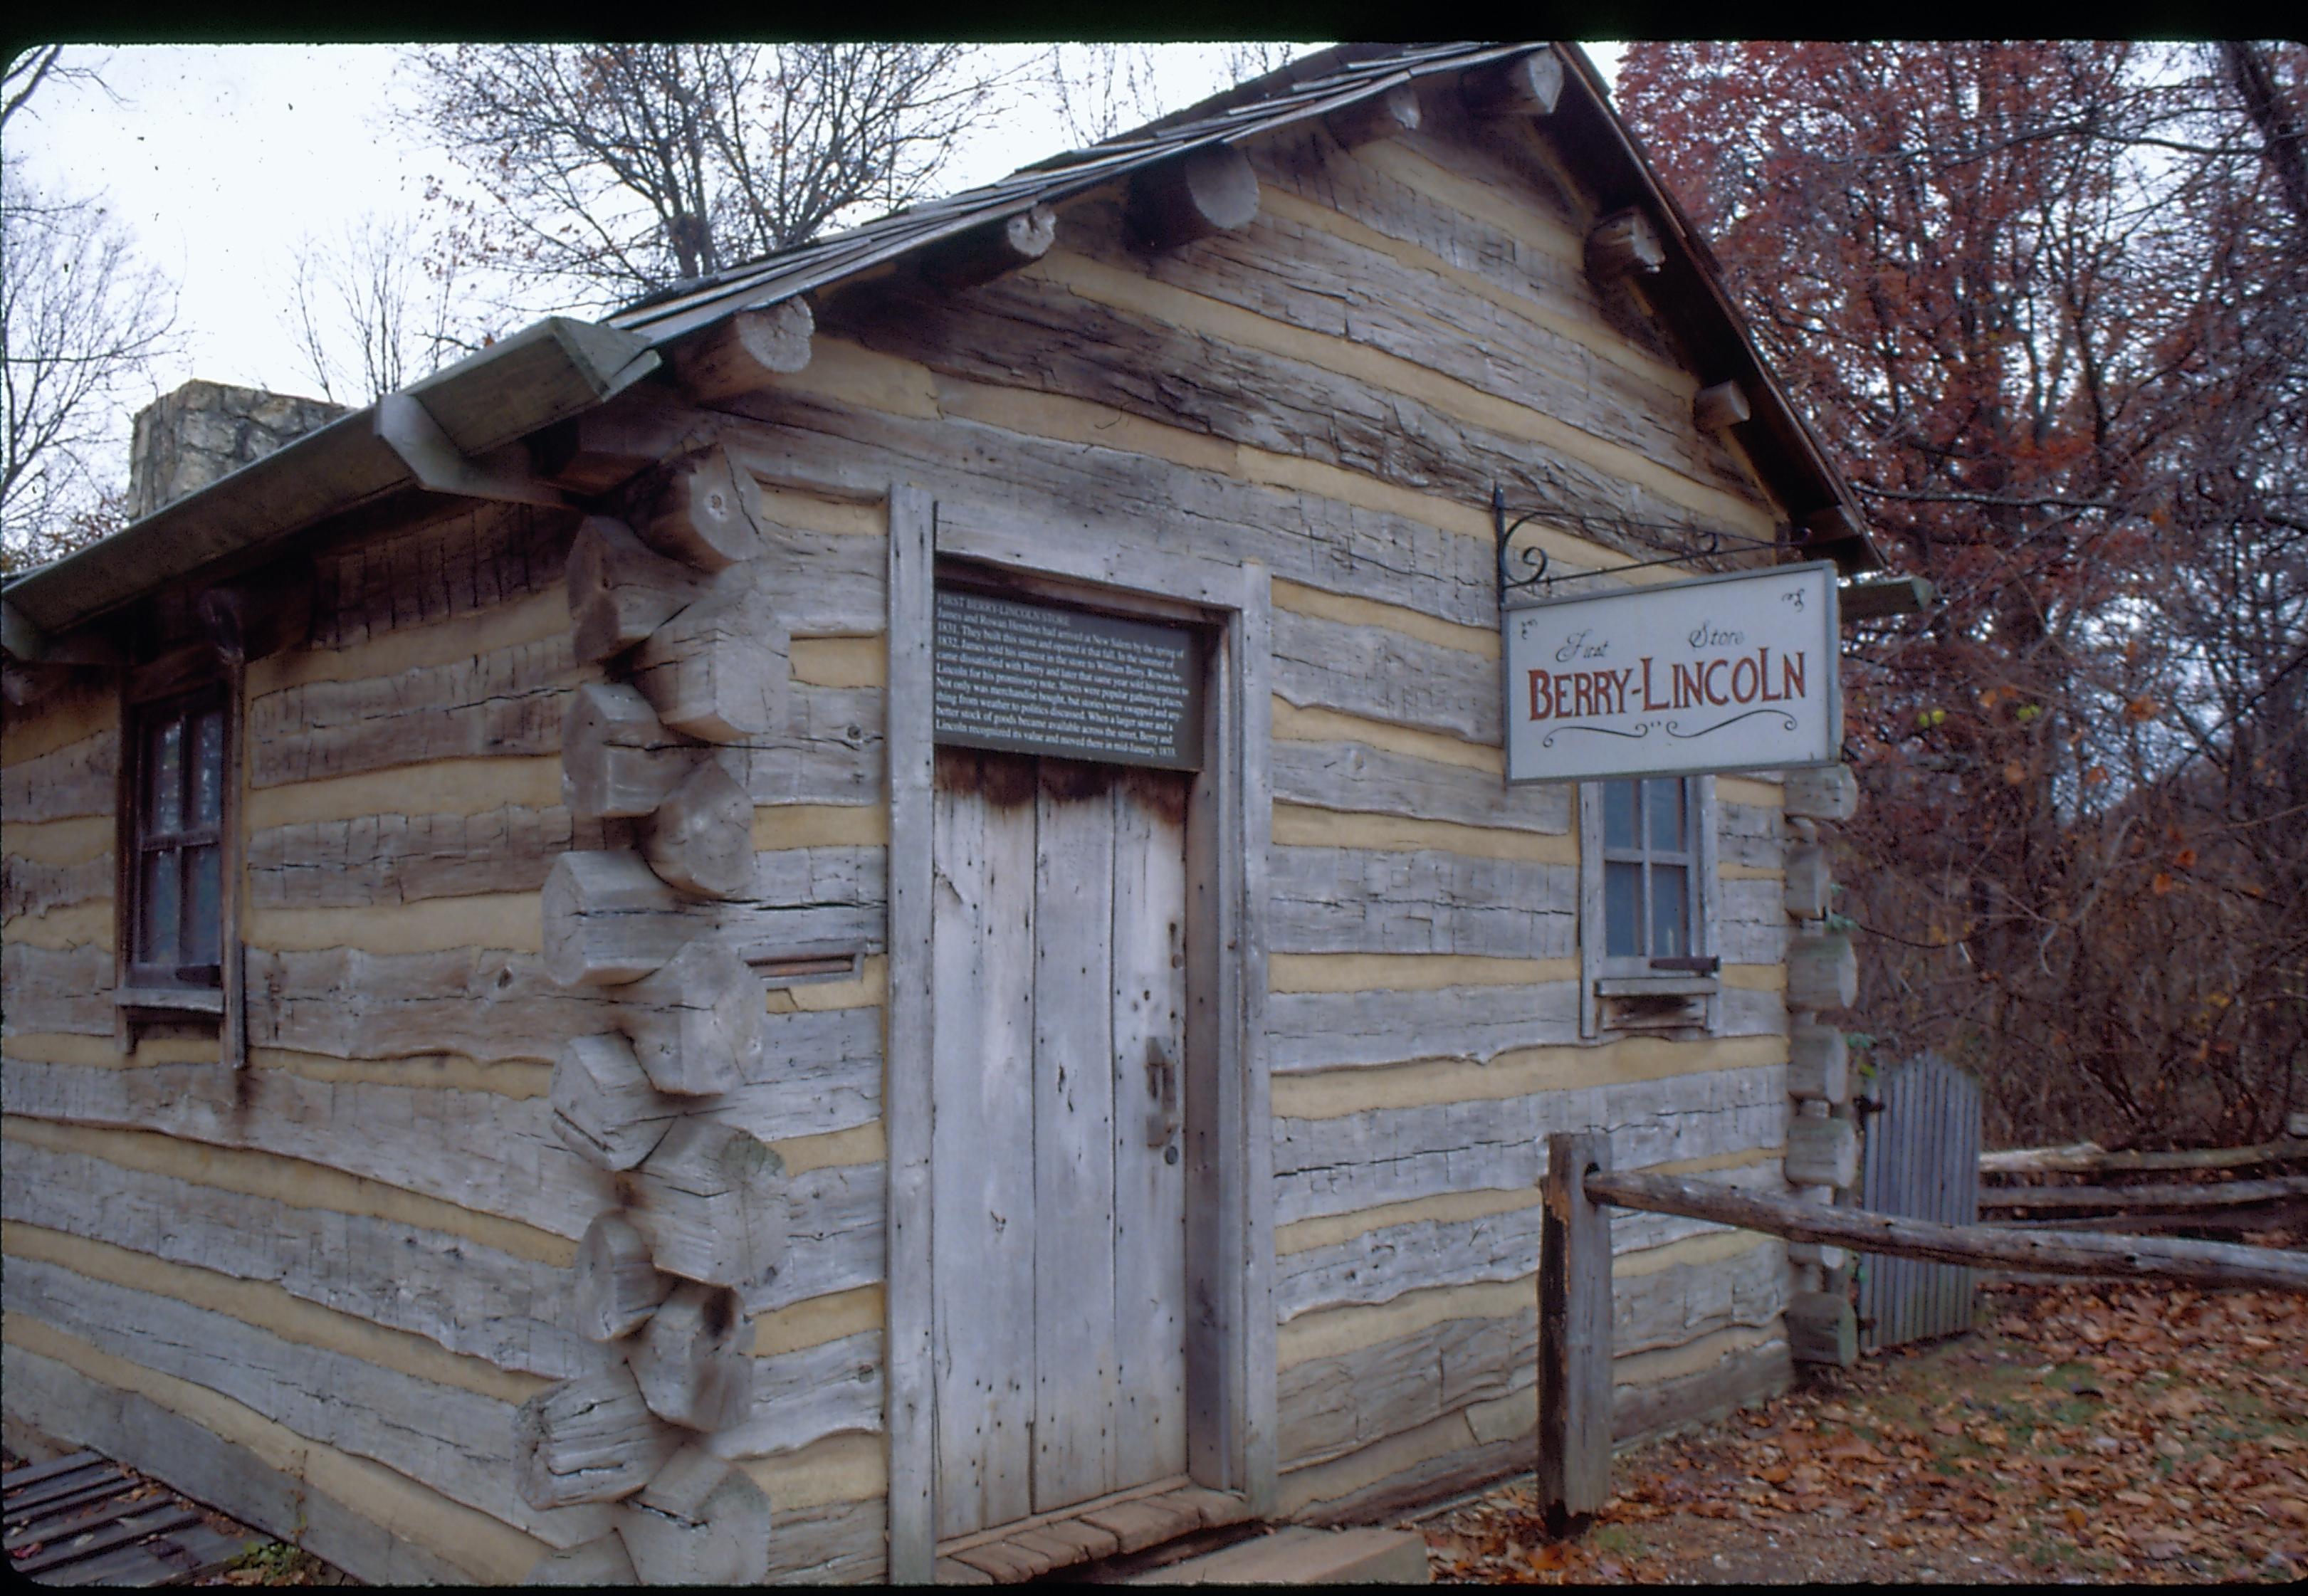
(1574, 1284)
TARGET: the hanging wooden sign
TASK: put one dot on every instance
(1047, 678)
(1722, 673)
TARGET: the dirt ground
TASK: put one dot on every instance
(2083, 1435)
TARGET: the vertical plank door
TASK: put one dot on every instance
(1057, 1171)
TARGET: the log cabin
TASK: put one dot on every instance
(568, 1015)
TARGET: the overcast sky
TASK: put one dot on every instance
(221, 159)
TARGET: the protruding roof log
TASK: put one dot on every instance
(1209, 189)
(744, 352)
(1624, 244)
(1527, 86)
(1721, 406)
(988, 253)
(1383, 117)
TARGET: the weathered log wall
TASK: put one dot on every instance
(1329, 391)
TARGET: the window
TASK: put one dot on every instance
(175, 883)
(1647, 937)
(1647, 869)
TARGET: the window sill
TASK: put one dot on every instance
(182, 1000)
(1657, 986)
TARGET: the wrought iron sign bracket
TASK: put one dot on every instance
(1534, 560)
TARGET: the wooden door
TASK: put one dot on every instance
(1057, 1170)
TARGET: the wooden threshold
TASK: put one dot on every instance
(1106, 1527)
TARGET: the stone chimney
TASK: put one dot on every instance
(204, 431)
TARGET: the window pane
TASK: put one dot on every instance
(1670, 912)
(167, 787)
(1663, 809)
(208, 768)
(1619, 814)
(203, 913)
(1622, 909)
(157, 942)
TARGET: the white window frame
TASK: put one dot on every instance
(1610, 988)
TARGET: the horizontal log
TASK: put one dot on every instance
(407, 859)
(2197, 1263)
(1384, 675)
(1357, 779)
(79, 778)
(994, 250)
(1318, 1030)
(1819, 1063)
(1805, 893)
(2145, 1198)
(1624, 244)
(456, 1441)
(1327, 1407)
(695, 1021)
(719, 669)
(1822, 971)
(707, 512)
(1826, 792)
(1394, 1155)
(468, 559)
(1207, 190)
(700, 1522)
(621, 589)
(808, 1394)
(35, 887)
(1343, 900)
(1527, 86)
(617, 1287)
(1821, 1152)
(478, 1149)
(835, 1235)
(816, 1072)
(507, 701)
(833, 1543)
(590, 1439)
(57, 989)
(1719, 406)
(1381, 116)
(713, 1203)
(601, 1562)
(689, 1359)
(744, 351)
(462, 1294)
(604, 1106)
(618, 759)
(610, 920)
(2088, 1157)
(701, 839)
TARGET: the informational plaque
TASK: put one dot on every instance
(1043, 678)
(1722, 673)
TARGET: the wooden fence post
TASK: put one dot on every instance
(1574, 1336)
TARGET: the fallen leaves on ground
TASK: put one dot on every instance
(2083, 1432)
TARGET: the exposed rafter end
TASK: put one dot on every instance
(1879, 601)
(1381, 116)
(746, 352)
(1210, 189)
(1527, 86)
(1624, 244)
(984, 254)
(1720, 407)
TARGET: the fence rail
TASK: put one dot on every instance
(1574, 1284)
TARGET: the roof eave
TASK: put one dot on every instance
(546, 373)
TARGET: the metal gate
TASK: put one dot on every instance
(1922, 1162)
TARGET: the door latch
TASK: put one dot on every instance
(1162, 1086)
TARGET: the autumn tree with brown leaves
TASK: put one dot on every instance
(2049, 306)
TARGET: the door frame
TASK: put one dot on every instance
(1230, 1334)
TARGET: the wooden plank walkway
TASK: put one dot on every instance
(84, 1519)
